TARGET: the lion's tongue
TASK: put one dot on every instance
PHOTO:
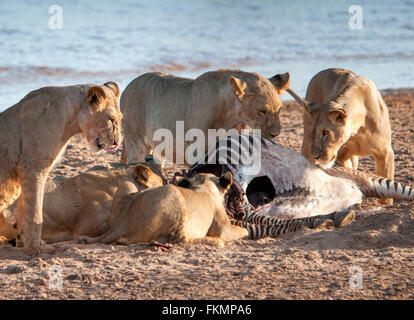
(112, 149)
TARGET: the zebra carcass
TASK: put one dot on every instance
(278, 181)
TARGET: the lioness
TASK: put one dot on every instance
(217, 99)
(81, 205)
(34, 134)
(345, 117)
(174, 214)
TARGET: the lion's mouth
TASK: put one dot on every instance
(326, 164)
(112, 148)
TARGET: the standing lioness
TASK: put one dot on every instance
(217, 99)
(345, 117)
(35, 132)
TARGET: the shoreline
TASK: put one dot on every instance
(121, 77)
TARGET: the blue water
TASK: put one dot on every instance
(119, 40)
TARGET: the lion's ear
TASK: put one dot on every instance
(114, 87)
(310, 107)
(149, 157)
(226, 180)
(338, 116)
(142, 173)
(239, 86)
(184, 183)
(96, 97)
(281, 82)
(157, 166)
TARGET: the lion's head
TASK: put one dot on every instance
(260, 102)
(149, 174)
(100, 119)
(328, 130)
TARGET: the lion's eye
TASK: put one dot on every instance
(261, 112)
(325, 133)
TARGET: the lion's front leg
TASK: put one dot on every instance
(355, 162)
(223, 229)
(384, 164)
(230, 232)
(30, 211)
(384, 167)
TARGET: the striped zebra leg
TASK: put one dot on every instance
(257, 231)
(386, 188)
(308, 222)
(262, 219)
(340, 218)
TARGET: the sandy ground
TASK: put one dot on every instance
(310, 264)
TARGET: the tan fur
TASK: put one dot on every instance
(35, 133)
(349, 110)
(8, 229)
(174, 214)
(218, 99)
(81, 205)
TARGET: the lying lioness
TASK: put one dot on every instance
(174, 214)
(345, 117)
(81, 205)
(34, 134)
(222, 99)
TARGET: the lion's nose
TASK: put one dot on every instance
(316, 152)
(274, 133)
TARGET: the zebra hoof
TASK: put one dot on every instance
(385, 202)
(327, 223)
(343, 218)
